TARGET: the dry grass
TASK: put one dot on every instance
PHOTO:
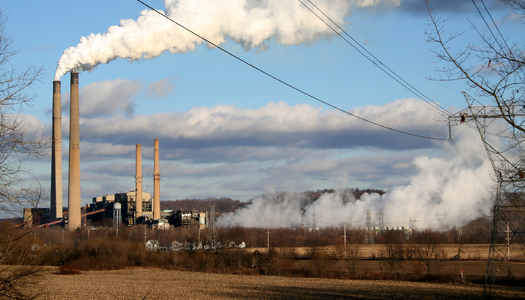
(140, 283)
(468, 251)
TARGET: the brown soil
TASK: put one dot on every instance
(165, 284)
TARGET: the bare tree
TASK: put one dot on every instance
(518, 5)
(428, 246)
(353, 259)
(493, 68)
(19, 251)
(17, 139)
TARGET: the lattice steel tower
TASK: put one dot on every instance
(212, 232)
(369, 237)
(381, 220)
(509, 168)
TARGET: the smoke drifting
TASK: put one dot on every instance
(248, 22)
(442, 187)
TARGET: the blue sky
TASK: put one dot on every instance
(225, 129)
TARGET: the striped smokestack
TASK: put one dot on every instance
(56, 155)
(74, 212)
(138, 183)
(156, 182)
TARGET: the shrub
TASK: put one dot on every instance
(69, 270)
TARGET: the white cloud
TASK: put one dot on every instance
(160, 89)
(366, 3)
(275, 124)
(107, 98)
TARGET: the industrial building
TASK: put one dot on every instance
(188, 219)
(128, 202)
(37, 216)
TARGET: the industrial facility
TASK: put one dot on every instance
(133, 207)
(132, 213)
(128, 207)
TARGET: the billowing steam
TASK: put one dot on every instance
(443, 193)
(248, 22)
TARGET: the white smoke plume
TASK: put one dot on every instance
(248, 22)
(444, 192)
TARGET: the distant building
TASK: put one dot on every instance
(185, 218)
(36, 216)
(128, 204)
(152, 245)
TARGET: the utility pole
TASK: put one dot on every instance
(344, 237)
(508, 241)
(268, 236)
(199, 234)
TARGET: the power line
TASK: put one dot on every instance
(468, 164)
(287, 84)
(378, 63)
(394, 76)
(512, 56)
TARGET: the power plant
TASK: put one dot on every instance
(137, 206)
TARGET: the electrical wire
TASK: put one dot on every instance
(492, 33)
(287, 84)
(500, 34)
(378, 63)
(394, 76)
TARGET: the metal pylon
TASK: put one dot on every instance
(369, 237)
(508, 211)
(212, 231)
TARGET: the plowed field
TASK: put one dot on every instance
(164, 284)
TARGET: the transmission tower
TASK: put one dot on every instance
(369, 237)
(508, 207)
(413, 223)
(212, 232)
(381, 220)
(441, 219)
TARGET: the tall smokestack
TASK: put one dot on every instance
(56, 154)
(156, 182)
(138, 183)
(74, 213)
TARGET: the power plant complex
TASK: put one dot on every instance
(126, 207)
(134, 207)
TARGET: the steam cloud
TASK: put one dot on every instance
(442, 189)
(248, 22)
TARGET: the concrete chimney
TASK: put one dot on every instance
(74, 213)
(156, 182)
(138, 183)
(56, 154)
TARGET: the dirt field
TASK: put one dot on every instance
(141, 283)
(164, 284)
